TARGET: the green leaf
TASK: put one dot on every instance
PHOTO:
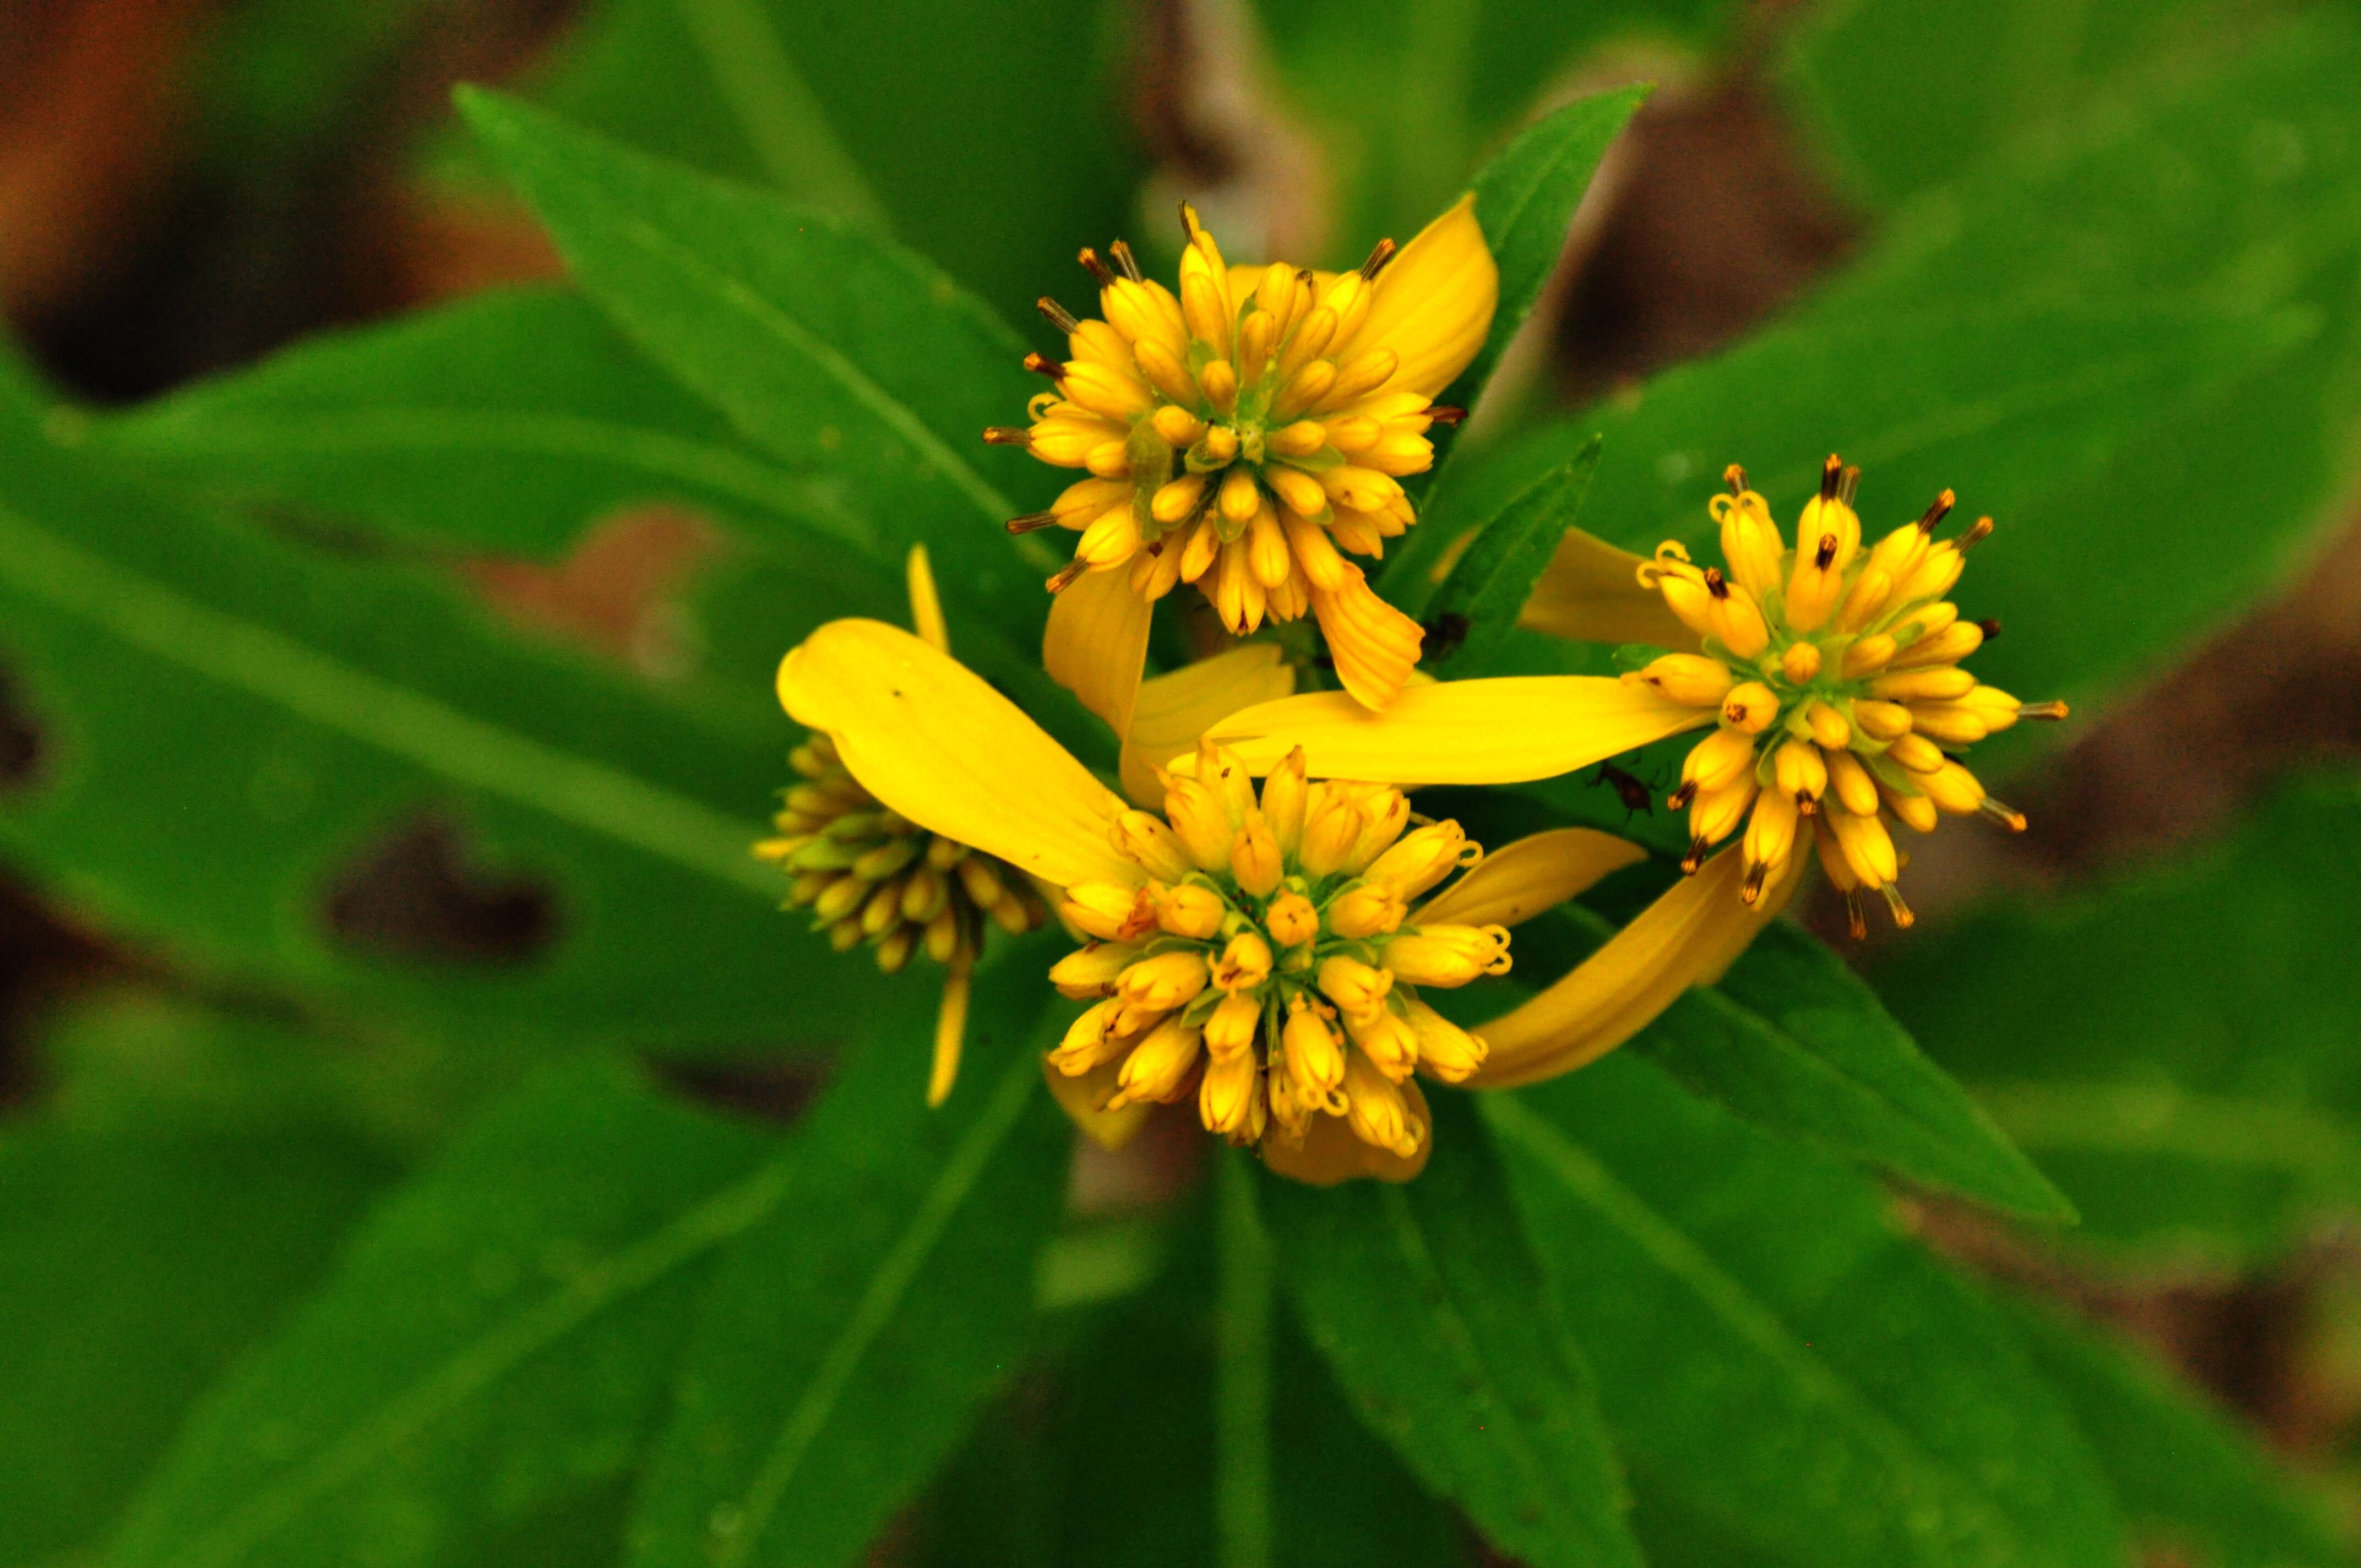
(849, 1338)
(2172, 1042)
(1488, 585)
(1791, 1039)
(1525, 198)
(1427, 1301)
(2195, 1482)
(507, 421)
(1773, 1360)
(927, 119)
(1859, 69)
(519, 423)
(298, 707)
(137, 1262)
(829, 348)
(497, 1341)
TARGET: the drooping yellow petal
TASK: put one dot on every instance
(930, 739)
(1519, 881)
(1375, 645)
(1590, 593)
(1173, 709)
(950, 1028)
(1081, 1099)
(1096, 644)
(926, 605)
(1462, 732)
(1331, 1153)
(1688, 937)
(1433, 304)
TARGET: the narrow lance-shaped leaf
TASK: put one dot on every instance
(303, 705)
(829, 348)
(1427, 1301)
(850, 1337)
(2150, 1102)
(1791, 1039)
(498, 1340)
(1780, 1370)
(526, 423)
(1490, 582)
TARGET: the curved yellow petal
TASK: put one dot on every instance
(932, 739)
(1084, 1100)
(1433, 304)
(1375, 645)
(1688, 937)
(1331, 1154)
(1096, 644)
(926, 605)
(1519, 881)
(1461, 732)
(1590, 593)
(1173, 709)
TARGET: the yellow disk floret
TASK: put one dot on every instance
(1835, 672)
(1250, 431)
(1270, 959)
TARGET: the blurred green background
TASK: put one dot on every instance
(269, 986)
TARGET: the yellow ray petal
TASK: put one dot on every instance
(1519, 881)
(1590, 593)
(926, 605)
(1688, 937)
(1173, 709)
(1096, 644)
(933, 741)
(1461, 732)
(1081, 1098)
(1330, 1154)
(1433, 304)
(950, 1028)
(1375, 646)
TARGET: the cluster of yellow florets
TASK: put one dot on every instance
(1271, 957)
(1236, 435)
(870, 874)
(1835, 672)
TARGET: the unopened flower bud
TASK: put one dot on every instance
(1187, 909)
(1352, 986)
(1690, 678)
(1164, 981)
(1253, 857)
(1292, 920)
(1444, 1049)
(1245, 964)
(1091, 972)
(1106, 910)
(1445, 955)
(1385, 1040)
(1365, 910)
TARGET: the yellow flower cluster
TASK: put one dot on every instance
(1834, 673)
(1247, 433)
(870, 874)
(1271, 959)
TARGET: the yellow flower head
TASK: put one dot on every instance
(870, 874)
(1248, 432)
(1265, 956)
(1833, 670)
(1263, 950)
